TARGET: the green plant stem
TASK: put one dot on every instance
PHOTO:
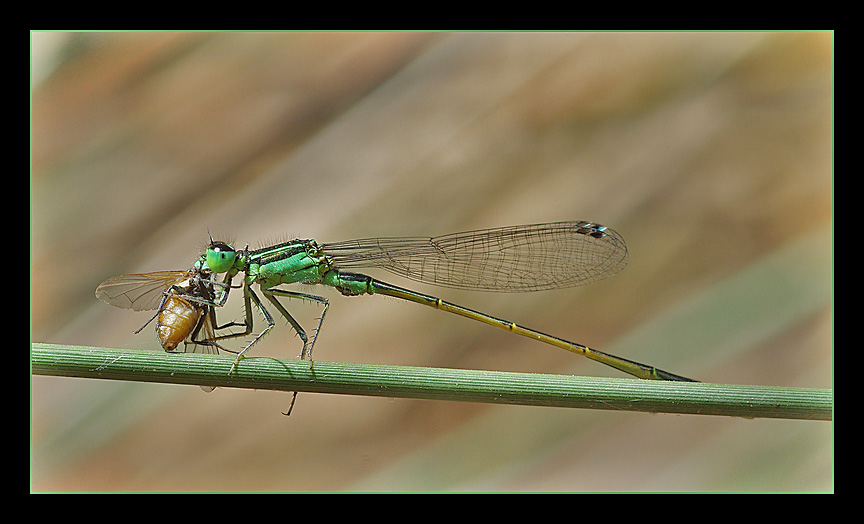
(434, 383)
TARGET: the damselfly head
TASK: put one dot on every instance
(220, 256)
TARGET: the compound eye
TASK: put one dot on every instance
(220, 257)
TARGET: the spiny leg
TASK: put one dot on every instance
(247, 324)
(308, 345)
(271, 295)
(211, 341)
(248, 295)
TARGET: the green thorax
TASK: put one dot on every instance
(296, 261)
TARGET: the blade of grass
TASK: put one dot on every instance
(434, 383)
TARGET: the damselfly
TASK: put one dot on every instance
(509, 259)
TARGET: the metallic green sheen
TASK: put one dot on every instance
(297, 268)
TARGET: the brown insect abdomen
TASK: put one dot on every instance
(176, 321)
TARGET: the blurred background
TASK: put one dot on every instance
(712, 155)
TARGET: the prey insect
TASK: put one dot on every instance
(184, 302)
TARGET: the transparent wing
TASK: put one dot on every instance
(139, 292)
(517, 258)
